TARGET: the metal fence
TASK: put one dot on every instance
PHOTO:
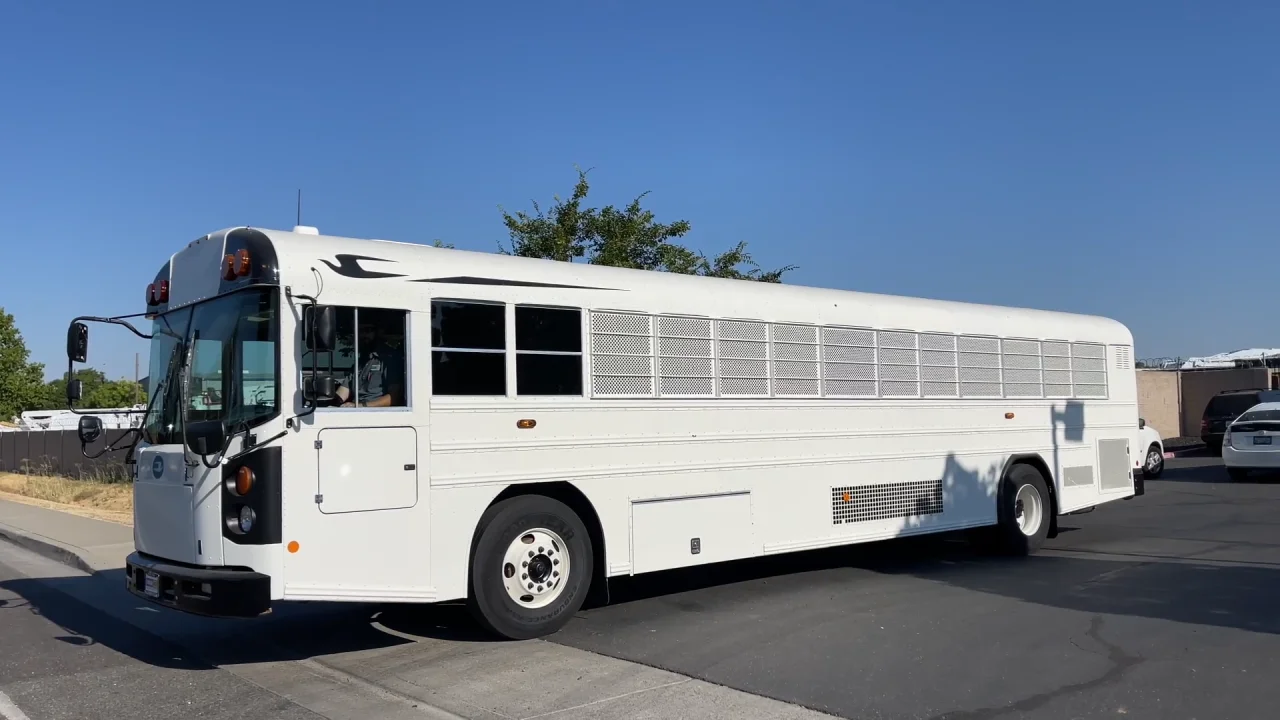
(57, 452)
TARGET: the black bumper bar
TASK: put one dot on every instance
(216, 592)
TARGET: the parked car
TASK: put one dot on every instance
(1252, 441)
(1225, 407)
(1151, 460)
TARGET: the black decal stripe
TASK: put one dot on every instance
(466, 280)
(349, 266)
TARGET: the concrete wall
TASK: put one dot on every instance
(1200, 385)
(1159, 401)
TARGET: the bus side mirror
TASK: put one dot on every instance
(90, 428)
(316, 388)
(321, 328)
(78, 342)
(75, 389)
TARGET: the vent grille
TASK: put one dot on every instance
(1124, 357)
(861, 503)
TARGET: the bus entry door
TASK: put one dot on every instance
(367, 468)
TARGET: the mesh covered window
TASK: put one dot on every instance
(1055, 358)
(979, 366)
(1020, 360)
(686, 362)
(743, 363)
(1089, 370)
(848, 362)
(621, 355)
(899, 365)
(939, 375)
(796, 369)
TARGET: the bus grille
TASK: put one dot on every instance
(860, 503)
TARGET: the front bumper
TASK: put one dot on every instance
(216, 592)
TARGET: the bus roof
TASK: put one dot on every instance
(398, 269)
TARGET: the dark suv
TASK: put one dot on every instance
(1225, 407)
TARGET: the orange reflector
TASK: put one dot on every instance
(229, 268)
(847, 497)
(242, 262)
(244, 481)
(526, 423)
(1008, 416)
(293, 546)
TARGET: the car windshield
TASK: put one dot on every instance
(230, 374)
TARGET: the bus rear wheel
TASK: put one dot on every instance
(1024, 513)
(530, 568)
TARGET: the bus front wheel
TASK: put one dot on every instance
(530, 568)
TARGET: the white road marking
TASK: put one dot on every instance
(9, 711)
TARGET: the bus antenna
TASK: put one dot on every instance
(299, 207)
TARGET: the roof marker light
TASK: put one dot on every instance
(151, 294)
(229, 267)
(162, 294)
(242, 262)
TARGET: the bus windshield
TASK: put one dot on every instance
(229, 344)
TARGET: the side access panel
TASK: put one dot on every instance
(679, 532)
(366, 469)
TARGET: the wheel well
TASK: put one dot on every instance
(570, 495)
(1042, 467)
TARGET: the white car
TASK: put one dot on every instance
(1151, 460)
(1252, 441)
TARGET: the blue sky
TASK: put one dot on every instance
(1121, 159)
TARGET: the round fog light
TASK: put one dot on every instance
(246, 519)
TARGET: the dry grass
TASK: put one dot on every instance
(102, 500)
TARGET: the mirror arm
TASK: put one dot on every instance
(118, 320)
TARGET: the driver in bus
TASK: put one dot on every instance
(380, 370)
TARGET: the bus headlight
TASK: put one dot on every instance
(247, 518)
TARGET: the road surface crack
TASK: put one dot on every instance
(1121, 663)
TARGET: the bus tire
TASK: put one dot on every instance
(1024, 512)
(531, 567)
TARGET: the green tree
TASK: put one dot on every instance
(96, 391)
(629, 237)
(21, 381)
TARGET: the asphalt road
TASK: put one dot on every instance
(1160, 607)
(1164, 606)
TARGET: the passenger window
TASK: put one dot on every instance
(468, 349)
(548, 351)
(370, 361)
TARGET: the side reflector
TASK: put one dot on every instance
(293, 546)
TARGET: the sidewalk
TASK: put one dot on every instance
(84, 543)
(433, 677)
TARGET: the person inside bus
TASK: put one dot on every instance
(380, 365)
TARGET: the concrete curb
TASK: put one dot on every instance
(47, 547)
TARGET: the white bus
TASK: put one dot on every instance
(427, 424)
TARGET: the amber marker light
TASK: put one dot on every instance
(1008, 416)
(242, 262)
(526, 423)
(293, 546)
(244, 481)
